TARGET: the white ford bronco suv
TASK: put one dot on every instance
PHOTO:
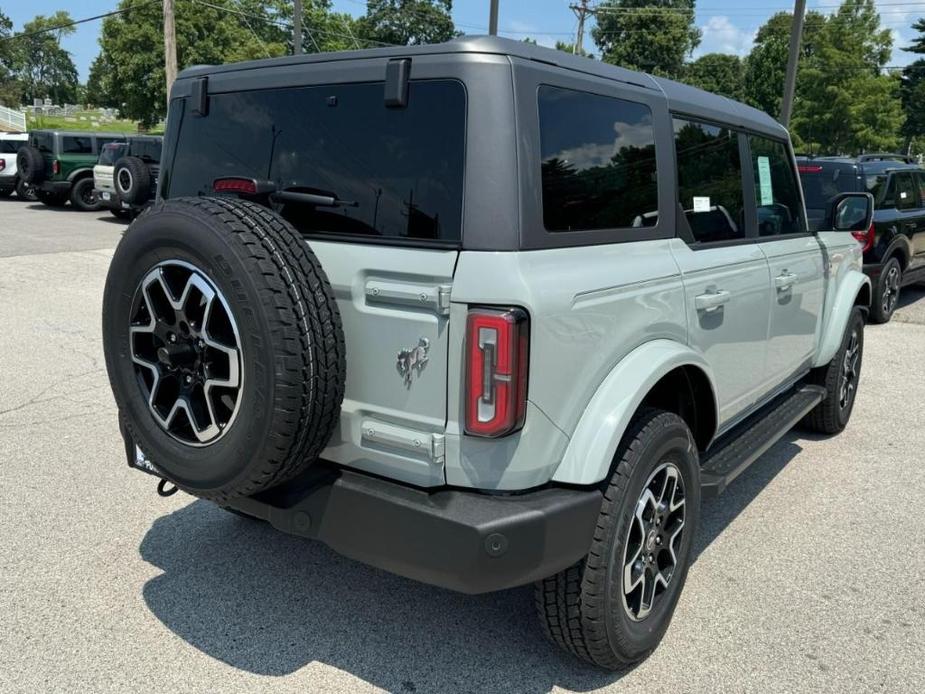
(481, 314)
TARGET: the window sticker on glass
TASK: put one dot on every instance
(903, 194)
(764, 181)
(701, 203)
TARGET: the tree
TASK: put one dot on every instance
(718, 73)
(41, 66)
(650, 35)
(407, 22)
(912, 89)
(765, 66)
(10, 90)
(845, 104)
(570, 48)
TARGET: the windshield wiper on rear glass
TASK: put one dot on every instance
(300, 194)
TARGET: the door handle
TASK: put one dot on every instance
(785, 281)
(711, 301)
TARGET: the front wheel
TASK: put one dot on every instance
(840, 379)
(83, 197)
(613, 607)
(886, 295)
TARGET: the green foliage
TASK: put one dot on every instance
(654, 36)
(10, 90)
(92, 121)
(719, 73)
(38, 63)
(912, 88)
(570, 48)
(844, 104)
(407, 22)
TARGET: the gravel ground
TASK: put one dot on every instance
(809, 573)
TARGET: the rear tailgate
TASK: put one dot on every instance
(394, 304)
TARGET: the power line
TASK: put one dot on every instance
(141, 3)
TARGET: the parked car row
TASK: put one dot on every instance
(88, 170)
(894, 244)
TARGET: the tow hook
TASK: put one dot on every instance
(162, 489)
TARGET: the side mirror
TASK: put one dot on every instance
(849, 212)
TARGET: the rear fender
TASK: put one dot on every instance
(79, 173)
(594, 442)
(851, 285)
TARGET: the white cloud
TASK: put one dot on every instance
(720, 35)
(600, 154)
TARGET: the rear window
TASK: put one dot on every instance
(823, 182)
(148, 151)
(43, 142)
(10, 146)
(397, 172)
(598, 162)
(112, 152)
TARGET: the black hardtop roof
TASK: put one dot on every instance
(681, 97)
(868, 165)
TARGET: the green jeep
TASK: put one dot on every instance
(60, 166)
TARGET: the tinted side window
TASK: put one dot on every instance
(905, 195)
(777, 193)
(43, 142)
(398, 172)
(10, 146)
(147, 150)
(598, 162)
(76, 145)
(709, 181)
(112, 152)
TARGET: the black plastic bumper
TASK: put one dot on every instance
(873, 270)
(466, 541)
(8, 182)
(57, 187)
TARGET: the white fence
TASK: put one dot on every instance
(12, 120)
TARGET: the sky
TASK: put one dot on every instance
(728, 27)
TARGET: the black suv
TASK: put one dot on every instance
(894, 246)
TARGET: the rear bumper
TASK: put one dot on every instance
(57, 187)
(460, 540)
(8, 182)
(114, 203)
(464, 541)
(873, 270)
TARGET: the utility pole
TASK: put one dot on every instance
(170, 47)
(493, 18)
(581, 10)
(790, 80)
(297, 27)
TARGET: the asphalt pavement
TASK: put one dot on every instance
(809, 574)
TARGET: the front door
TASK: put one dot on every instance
(725, 273)
(795, 261)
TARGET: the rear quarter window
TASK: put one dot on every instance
(598, 162)
(398, 171)
(10, 146)
(76, 145)
(43, 142)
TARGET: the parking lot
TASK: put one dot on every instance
(809, 572)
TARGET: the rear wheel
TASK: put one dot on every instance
(83, 197)
(26, 191)
(223, 345)
(886, 295)
(121, 214)
(840, 379)
(614, 606)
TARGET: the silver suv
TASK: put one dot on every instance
(481, 314)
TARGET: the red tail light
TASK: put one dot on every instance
(56, 167)
(806, 168)
(2, 164)
(866, 238)
(248, 186)
(497, 343)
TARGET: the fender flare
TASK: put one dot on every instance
(845, 300)
(594, 442)
(79, 173)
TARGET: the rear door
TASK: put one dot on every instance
(795, 260)
(909, 219)
(918, 236)
(388, 241)
(725, 274)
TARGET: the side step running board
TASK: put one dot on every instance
(742, 446)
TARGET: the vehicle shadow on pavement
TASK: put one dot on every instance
(268, 603)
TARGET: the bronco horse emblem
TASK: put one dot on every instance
(411, 361)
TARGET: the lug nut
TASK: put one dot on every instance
(171, 337)
(189, 379)
(658, 540)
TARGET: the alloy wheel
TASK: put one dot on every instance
(849, 372)
(187, 353)
(891, 290)
(650, 557)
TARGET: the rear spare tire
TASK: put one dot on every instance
(223, 344)
(30, 164)
(132, 180)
